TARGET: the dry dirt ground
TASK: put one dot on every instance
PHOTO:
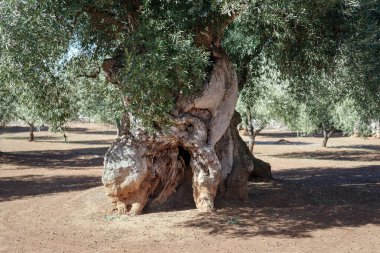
(323, 200)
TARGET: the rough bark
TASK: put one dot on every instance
(202, 143)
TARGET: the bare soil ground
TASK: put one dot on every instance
(323, 200)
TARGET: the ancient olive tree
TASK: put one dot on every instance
(178, 67)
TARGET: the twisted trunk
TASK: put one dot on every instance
(201, 145)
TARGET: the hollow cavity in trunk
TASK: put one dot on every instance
(201, 154)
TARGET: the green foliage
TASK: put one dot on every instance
(325, 58)
(345, 116)
(326, 106)
(161, 58)
(7, 105)
(159, 66)
(334, 42)
(32, 45)
(299, 37)
(25, 102)
(267, 97)
(99, 100)
(92, 95)
(363, 54)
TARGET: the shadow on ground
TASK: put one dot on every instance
(56, 159)
(340, 155)
(83, 130)
(12, 188)
(299, 202)
(280, 135)
(19, 129)
(85, 142)
(365, 147)
(36, 139)
(282, 143)
(53, 139)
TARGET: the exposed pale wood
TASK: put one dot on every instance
(141, 169)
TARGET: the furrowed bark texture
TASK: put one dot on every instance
(202, 145)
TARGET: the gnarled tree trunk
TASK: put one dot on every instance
(202, 145)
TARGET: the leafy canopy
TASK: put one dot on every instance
(160, 50)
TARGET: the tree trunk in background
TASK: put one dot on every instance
(326, 136)
(325, 139)
(250, 127)
(252, 136)
(378, 129)
(31, 131)
(251, 142)
(202, 149)
(356, 132)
